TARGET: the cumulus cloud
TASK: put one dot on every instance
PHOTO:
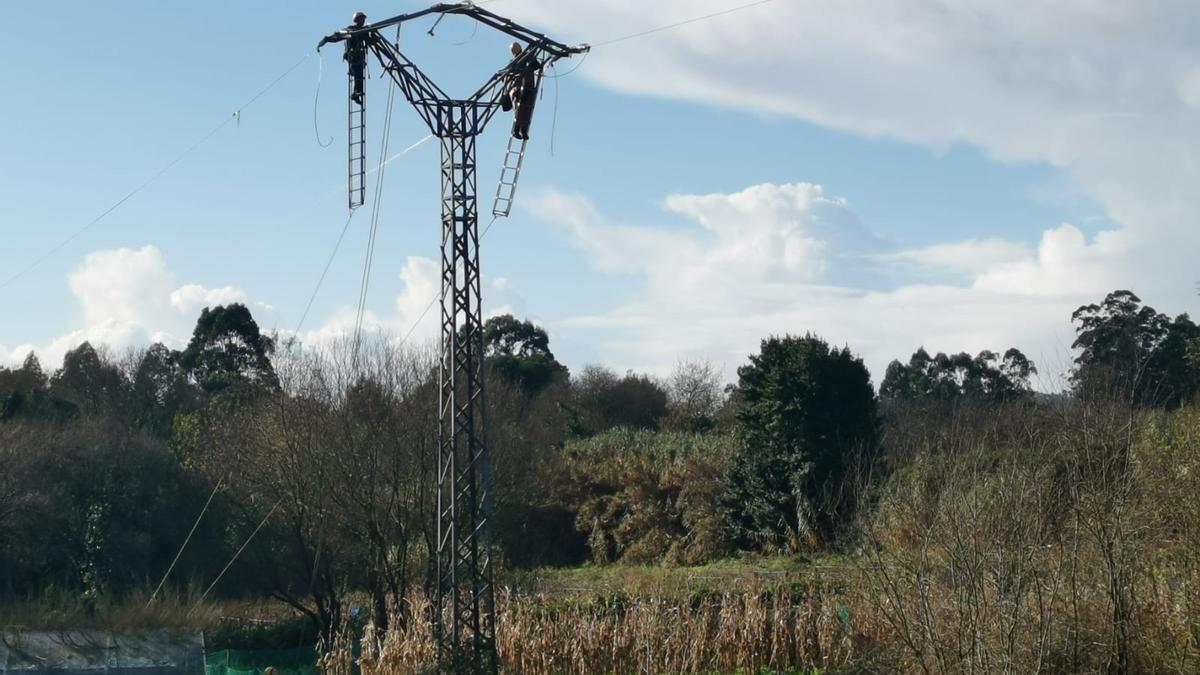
(416, 316)
(122, 286)
(193, 297)
(748, 242)
(128, 297)
(774, 259)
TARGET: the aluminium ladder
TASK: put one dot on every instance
(357, 181)
(506, 190)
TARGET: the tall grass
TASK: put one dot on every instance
(728, 633)
(1064, 544)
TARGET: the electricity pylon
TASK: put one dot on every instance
(464, 615)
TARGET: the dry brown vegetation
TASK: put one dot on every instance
(1052, 541)
(720, 633)
(1060, 542)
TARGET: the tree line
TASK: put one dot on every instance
(236, 468)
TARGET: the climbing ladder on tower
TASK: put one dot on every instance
(358, 151)
(510, 172)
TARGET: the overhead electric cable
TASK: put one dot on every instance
(577, 67)
(555, 76)
(321, 280)
(235, 116)
(685, 22)
(338, 244)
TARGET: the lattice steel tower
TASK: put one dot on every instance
(464, 617)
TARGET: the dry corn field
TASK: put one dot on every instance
(724, 633)
(896, 618)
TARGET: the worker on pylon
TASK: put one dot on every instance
(522, 90)
(356, 51)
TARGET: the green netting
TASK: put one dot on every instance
(302, 661)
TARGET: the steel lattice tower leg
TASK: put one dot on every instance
(464, 620)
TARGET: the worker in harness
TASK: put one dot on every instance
(522, 90)
(356, 51)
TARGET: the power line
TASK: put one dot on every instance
(433, 301)
(685, 22)
(236, 115)
(556, 76)
(324, 272)
(338, 244)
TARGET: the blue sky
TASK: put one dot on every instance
(883, 174)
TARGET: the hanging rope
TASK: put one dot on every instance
(317, 99)
(554, 119)
(186, 539)
(474, 31)
(235, 556)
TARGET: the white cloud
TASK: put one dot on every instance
(127, 298)
(1107, 90)
(750, 243)
(416, 318)
(422, 283)
(959, 257)
(1066, 264)
(716, 289)
(193, 297)
(130, 298)
(122, 286)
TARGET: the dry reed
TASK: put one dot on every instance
(703, 634)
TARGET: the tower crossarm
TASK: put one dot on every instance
(483, 16)
(429, 100)
(426, 97)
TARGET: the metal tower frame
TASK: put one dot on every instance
(464, 614)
